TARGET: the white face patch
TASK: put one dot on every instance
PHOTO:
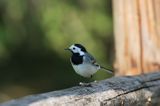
(75, 49)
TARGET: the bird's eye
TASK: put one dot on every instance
(74, 48)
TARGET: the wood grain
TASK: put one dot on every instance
(137, 36)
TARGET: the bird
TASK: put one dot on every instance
(83, 62)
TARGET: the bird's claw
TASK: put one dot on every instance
(85, 84)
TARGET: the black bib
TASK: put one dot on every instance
(77, 59)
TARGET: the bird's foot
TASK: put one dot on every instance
(85, 84)
(95, 81)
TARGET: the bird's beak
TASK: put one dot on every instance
(67, 49)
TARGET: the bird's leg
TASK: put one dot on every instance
(95, 81)
(87, 84)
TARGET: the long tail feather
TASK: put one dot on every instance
(108, 70)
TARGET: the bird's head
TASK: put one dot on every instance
(77, 49)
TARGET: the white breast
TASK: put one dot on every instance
(85, 70)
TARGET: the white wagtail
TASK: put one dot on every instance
(83, 63)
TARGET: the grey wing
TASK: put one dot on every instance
(90, 59)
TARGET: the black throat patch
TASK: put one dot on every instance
(76, 59)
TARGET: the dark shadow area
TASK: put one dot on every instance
(33, 35)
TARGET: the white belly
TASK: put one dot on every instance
(85, 70)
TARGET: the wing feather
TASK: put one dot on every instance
(88, 58)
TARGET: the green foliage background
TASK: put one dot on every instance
(33, 35)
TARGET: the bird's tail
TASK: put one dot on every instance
(108, 70)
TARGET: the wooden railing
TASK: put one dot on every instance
(117, 91)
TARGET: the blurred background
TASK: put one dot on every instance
(33, 35)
